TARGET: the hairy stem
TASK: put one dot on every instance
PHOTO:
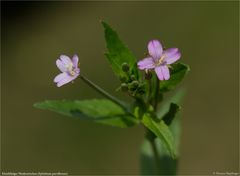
(103, 92)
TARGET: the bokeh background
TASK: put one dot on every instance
(34, 34)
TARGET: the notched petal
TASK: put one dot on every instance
(66, 80)
(60, 77)
(60, 65)
(146, 63)
(65, 59)
(165, 72)
(155, 49)
(75, 61)
(172, 55)
(158, 71)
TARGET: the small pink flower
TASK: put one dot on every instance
(69, 69)
(159, 59)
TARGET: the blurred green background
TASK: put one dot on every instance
(33, 36)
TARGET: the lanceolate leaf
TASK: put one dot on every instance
(178, 71)
(97, 110)
(161, 130)
(118, 53)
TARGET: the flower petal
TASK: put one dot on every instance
(60, 65)
(158, 71)
(60, 77)
(165, 72)
(65, 59)
(171, 55)
(77, 70)
(66, 80)
(162, 72)
(146, 63)
(75, 61)
(155, 49)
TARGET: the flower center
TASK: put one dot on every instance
(72, 73)
(70, 69)
(161, 60)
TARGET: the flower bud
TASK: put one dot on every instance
(125, 67)
(133, 85)
(133, 77)
(124, 87)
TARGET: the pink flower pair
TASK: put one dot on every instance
(158, 60)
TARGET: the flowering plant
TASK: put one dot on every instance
(159, 152)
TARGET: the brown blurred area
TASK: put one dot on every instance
(34, 34)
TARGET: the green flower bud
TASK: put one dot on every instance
(133, 85)
(141, 89)
(125, 67)
(124, 87)
(133, 77)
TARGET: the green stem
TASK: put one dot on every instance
(103, 92)
(156, 155)
(152, 140)
(149, 96)
(156, 94)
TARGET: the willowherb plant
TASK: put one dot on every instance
(159, 152)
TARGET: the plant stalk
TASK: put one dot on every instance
(156, 94)
(153, 140)
(156, 155)
(103, 92)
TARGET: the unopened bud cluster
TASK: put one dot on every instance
(130, 83)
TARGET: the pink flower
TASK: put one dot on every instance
(69, 69)
(159, 59)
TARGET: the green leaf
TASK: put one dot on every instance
(118, 53)
(178, 72)
(98, 110)
(176, 98)
(169, 116)
(175, 125)
(162, 131)
(168, 165)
